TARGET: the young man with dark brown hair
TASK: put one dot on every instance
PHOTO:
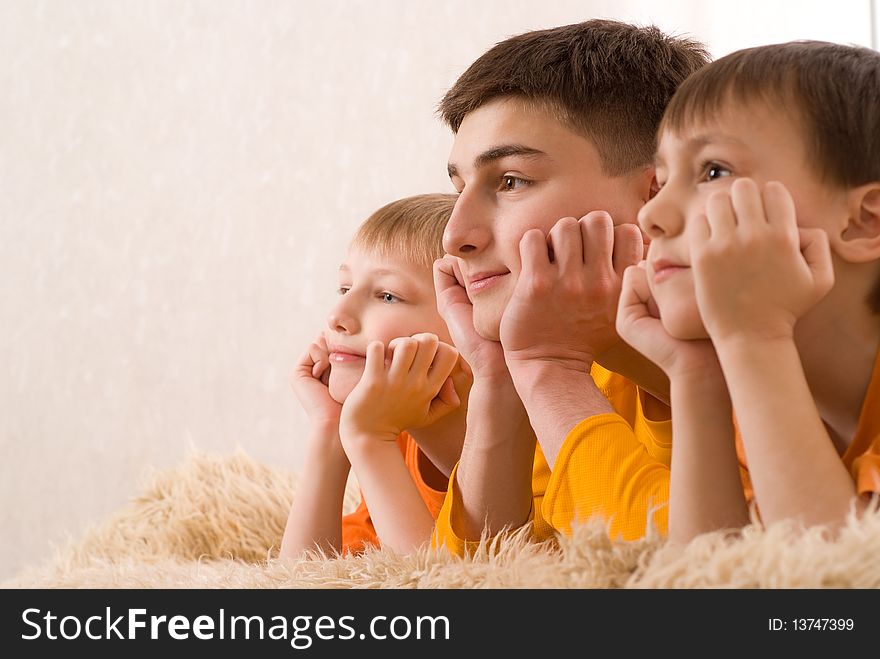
(554, 124)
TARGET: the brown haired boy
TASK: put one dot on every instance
(554, 124)
(766, 240)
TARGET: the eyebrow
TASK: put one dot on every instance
(698, 142)
(497, 153)
(378, 271)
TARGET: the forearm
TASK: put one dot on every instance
(705, 489)
(399, 515)
(795, 469)
(316, 513)
(494, 475)
(556, 398)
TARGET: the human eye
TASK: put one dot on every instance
(713, 171)
(660, 179)
(342, 290)
(389, 298)
(510, 183)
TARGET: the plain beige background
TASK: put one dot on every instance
(178, 180)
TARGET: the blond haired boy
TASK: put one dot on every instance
(383, 388)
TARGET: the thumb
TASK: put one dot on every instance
(444, 402)
(817, 254)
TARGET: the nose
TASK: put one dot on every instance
(468, 230)
(343, 317)
(661, 216)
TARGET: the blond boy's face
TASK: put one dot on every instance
(743, 140)
(380, 298)
(518, 168)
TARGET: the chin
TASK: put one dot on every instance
(488, 325)
(341, 384)
(684, 327)
(487, 316)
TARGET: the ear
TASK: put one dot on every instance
(646, 183)
(654, 186)
(860, 240)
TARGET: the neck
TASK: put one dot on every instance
(838, 341)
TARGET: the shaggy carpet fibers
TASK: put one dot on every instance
(216, 522)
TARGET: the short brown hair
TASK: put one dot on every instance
(606, 80)
(831, 90)
(410, 228)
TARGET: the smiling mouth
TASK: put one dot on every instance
(341, 357)
(667, 271)
(484, 282)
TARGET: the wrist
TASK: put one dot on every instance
(744, 348)
(359, 443)
(524, 369)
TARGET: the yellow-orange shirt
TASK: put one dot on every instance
(862, 456)
(357, 527)
(615, 465)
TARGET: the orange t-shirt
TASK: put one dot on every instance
(861, 458)
(357, 527)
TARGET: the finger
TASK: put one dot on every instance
(720, 215)
(816, 249)
(426, 348)
(448, 288)
(779, 208)
(745, 199)
(636, 303)
(444, 275)
(456, 270)
(443, 403)
(629, 247)
(324, 376)
(403, 351)
(634, 293)
(374, 368)
(698, 233)
(448, 394)
(534, 257)
(444, 362)
(567, 246)
(597, 232)
(319, 355)
(462, 375)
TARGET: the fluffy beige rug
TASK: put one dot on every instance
(216, 522)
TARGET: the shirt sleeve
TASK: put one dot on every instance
(446, 532)
(604, 468)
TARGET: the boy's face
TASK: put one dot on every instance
(381, 298)
(517, 168)
(743, 140)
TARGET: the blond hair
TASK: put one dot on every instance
(410, 228)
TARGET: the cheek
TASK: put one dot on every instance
(678, 311)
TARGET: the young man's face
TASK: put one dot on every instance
(517, 168)
(743, 140)
(381, 298)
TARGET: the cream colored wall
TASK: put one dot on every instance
(177, 183)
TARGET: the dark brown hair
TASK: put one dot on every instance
(606, 80)
(831, 91)
(410, 228)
